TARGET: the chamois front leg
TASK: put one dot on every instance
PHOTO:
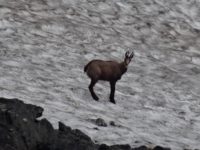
(94, 96)
(112, 92)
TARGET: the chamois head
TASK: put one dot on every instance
(128, 58)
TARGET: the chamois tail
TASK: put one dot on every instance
(86, 67)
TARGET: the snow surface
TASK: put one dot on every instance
(44, 45)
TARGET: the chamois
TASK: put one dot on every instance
(107, 71)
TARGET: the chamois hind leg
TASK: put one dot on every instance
(92, 83)
(112, 92)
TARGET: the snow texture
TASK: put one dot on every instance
(44, 45)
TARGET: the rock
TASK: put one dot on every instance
(161, 148)
(63, 128)
(95, 128)
(20, 130)
(141, 148)
(101, 122)
(114, 147)
(121, 147)
(112, 123)
(69, 139)
(104, 147)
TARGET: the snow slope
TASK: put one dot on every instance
(44, 45)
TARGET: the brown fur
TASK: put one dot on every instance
(108, 71)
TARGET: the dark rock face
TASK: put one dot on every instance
(160, 148)
(20, 130)
(73, 139)
(114, 147)
(17, 122)
(122, 147)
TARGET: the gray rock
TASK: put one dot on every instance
(100, 122)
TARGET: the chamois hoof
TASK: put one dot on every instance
(113, 101)
(96, 98)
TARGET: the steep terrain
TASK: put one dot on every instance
(44, 45)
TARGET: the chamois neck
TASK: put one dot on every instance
(123, 67)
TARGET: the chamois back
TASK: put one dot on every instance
(103, 70)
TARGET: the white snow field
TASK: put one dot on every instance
(44, 45)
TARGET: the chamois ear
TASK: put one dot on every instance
(132, 54)
(127, 54)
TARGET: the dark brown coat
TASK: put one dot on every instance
(108, 71)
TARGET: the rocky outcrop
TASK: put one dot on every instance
(21, 130)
